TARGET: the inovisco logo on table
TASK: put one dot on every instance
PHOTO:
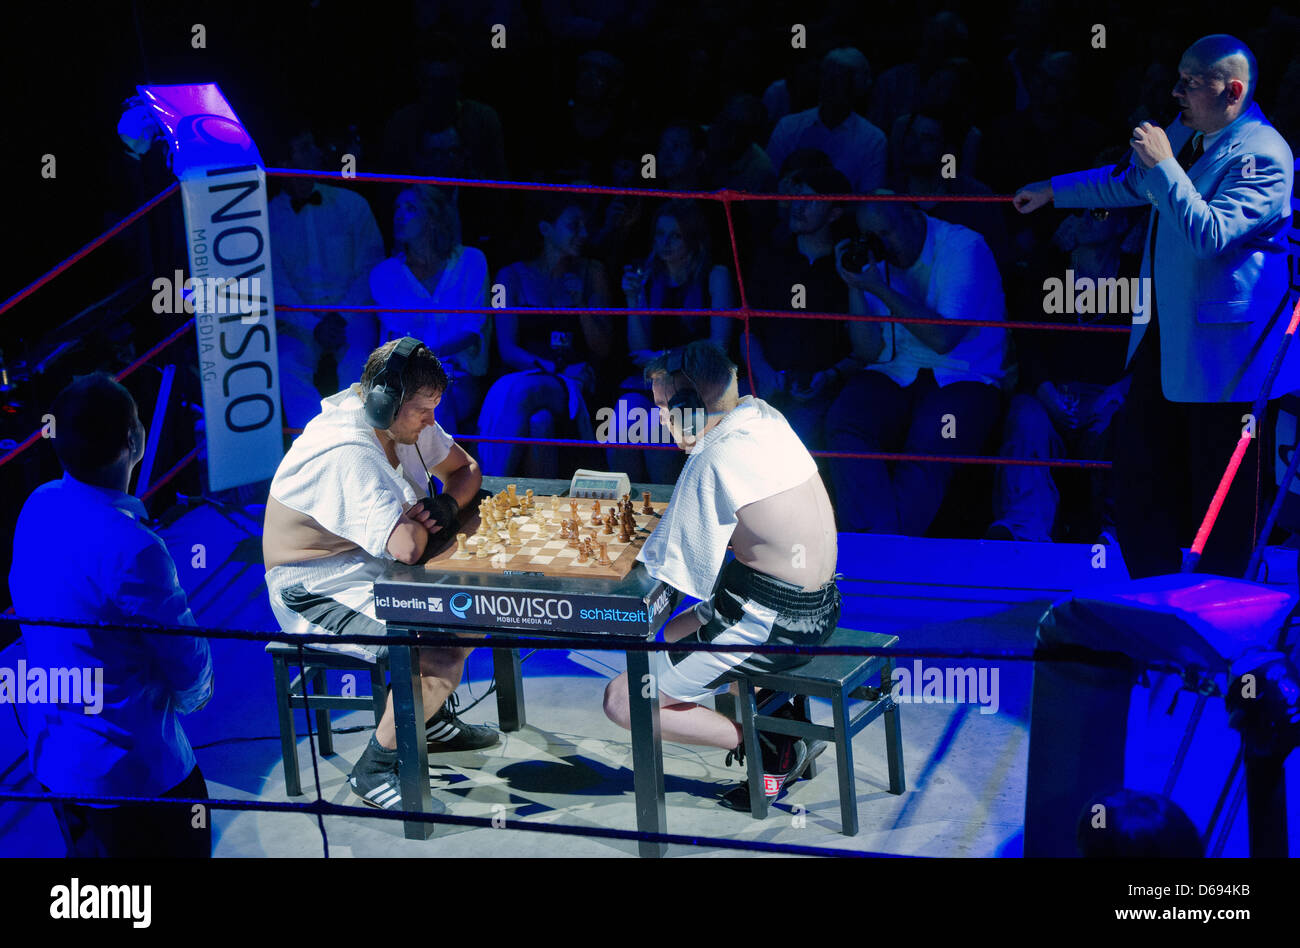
(514, 610)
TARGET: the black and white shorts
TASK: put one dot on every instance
(748, 608)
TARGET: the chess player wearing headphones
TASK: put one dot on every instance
(356, 491)
(748, 485)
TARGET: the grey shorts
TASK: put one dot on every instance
(747, 608)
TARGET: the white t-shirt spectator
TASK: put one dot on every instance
(956, 277)
(463, 284)
(856, 148)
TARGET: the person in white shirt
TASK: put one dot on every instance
(121, 736)
(324, 243)
(353, 494)
(431, 268)
(748, 483)
(857, 149)
(930, 389)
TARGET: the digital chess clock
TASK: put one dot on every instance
(599, 485)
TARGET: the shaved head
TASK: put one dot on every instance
(1223, 58)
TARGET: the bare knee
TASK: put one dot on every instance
(616, 705)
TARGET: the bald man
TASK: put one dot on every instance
(1213, 308)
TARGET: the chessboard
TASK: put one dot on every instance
(553, 536)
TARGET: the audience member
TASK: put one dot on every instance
(324, 241)
(432, 269)
(678, 274)
(929, 389)
(1070, 383)
(799, 365)
(554, 360)
(857, 148)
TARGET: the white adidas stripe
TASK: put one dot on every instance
(440, 733)
(383, 796)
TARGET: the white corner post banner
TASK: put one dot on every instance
(223, 186)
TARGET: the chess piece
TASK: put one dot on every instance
(624, 531)
(510, 490)
(582, 552)
(646, 507)
(595, 513)
(609, 524)
(460, 544)
(555, 503)
(528, 499)
(573, 510)
(564, 529)
(513, 528)
(604, 559)
(484, 550)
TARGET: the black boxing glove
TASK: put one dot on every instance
(443, 509)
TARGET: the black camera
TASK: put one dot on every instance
(862, 250)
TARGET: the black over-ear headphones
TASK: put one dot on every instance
(687, 403)
(385, 395)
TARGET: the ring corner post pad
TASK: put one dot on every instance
(409, 717)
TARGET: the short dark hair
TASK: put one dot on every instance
(826, 180)
(705, 365)
(422, 370)
(93, 418)
(1137, 826)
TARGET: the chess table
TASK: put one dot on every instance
(455, 591)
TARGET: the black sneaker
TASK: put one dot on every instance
(382, 790)
(784, 759)
(446, 732)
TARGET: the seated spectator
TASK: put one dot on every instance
(901, 89)
(679, 159)
(120, 735)
(624, 230)
(678, 275)
(556, 360)
(929, 389)
(432, 269)
(324, 242)
(799, 365)
(737, 161)
(480, 211)
(478, 145)
(735, 158)
(918, 144)
(1070, 383)
(586, 136)
(856, 147)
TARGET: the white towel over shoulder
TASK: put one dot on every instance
(337, 474)
(752, 454)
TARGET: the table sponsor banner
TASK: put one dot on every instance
(229, 289)
(521, 610)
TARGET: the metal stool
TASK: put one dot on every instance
(837, 678)
(290, 695)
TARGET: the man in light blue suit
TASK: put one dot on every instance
(1212, 314)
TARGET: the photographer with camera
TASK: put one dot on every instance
(929, 389)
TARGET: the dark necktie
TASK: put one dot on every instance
(1192, 150)
(298, 205)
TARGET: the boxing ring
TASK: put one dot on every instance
(1206, 670)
